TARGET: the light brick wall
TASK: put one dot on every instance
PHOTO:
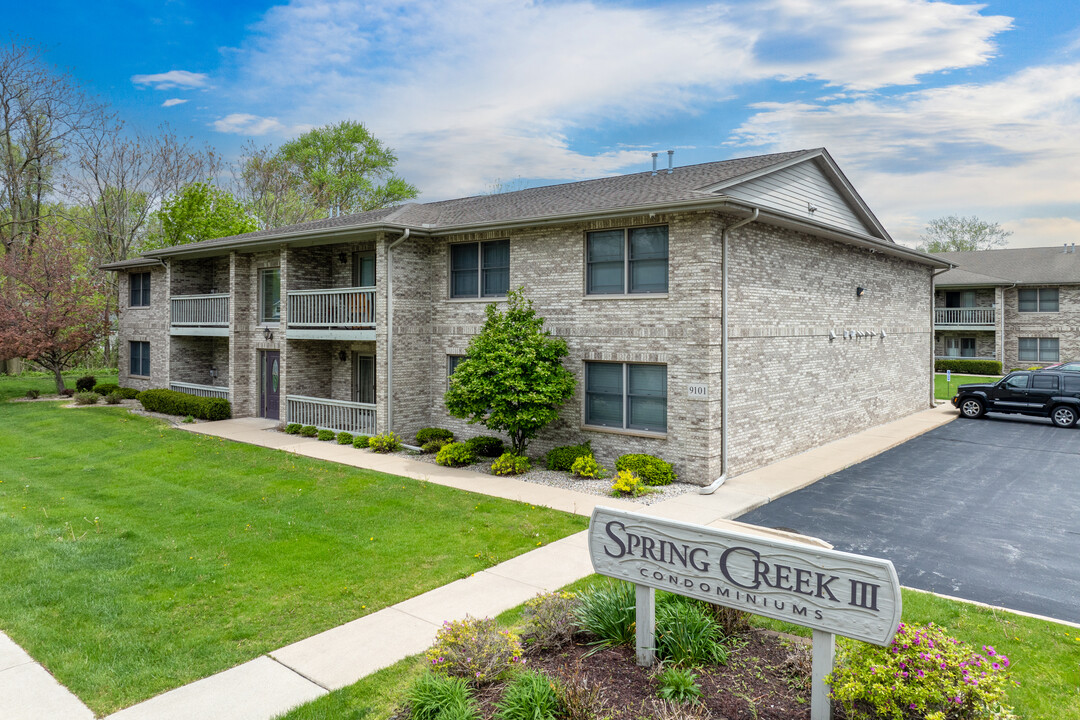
(246, 333)
(1064, 325)
(145, 324)
(202, 276)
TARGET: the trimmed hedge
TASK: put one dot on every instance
(426, 435)
(562, 458)
(651, 469)
(293, 428)
(486, 446)
(309, 431)
(969, 366)
(106, 388)
(326, 435)
(171, 402)
(344, 438)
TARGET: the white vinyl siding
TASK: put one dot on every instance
(791, 189)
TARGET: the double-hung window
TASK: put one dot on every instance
(480, 269)
(270, 295)
(140, 289)
(1039, 349)
(626, 396)
(1038, 300)
(140, 358)
(452, 361)
(629, 261)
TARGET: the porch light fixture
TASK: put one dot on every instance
(342, 258)
(860, 291)
(268, 334)
(342, 355)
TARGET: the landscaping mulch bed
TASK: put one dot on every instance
(766, 678)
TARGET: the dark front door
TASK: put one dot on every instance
(270, 384)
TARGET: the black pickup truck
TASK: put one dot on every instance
(1042, 393)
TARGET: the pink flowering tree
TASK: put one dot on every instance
(50, 308)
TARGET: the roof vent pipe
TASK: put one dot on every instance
(670, 160)
(654, 163)
(1072, 248)
(1065, 247)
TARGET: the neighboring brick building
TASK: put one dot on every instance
(1019, 305)
(828, 320)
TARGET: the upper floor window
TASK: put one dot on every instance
(452, 361)
(480, 269)
(960, 299)
(1038, 349)
(626, 396)
(140, 358)
(1038, 300)
(270, 295)
(621, 262)
(140, 289)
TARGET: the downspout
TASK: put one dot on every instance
(1001, 335)
(715, 485)
(390, 328)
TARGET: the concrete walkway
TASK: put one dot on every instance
(307, 669)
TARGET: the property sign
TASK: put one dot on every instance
(827, 590)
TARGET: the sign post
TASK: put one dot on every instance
(832, 592)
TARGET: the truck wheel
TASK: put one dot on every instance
(972, 408)
(1063, 416)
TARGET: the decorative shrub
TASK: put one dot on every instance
(686, 634)
(113, 398)
(550, 622)
(361, 441)
(385, 443)
(188, 419)
(309, 431)
(127, 393)
(474, 648)
(562, 458)
(434, 446)
(426, 435)
(171, 402)
(86, 398)
(627, 483)
(530, 696)
(678, 684)
(510, 464)
(293, 428)
(970, 366)
(439, 697)
(924, 673)
(486, 446)
(455, 454)
(652, 470)
(326, 435)
(33, 394)
(86, 383)
(67, 392)
(606, 611)
(344, 438)
(587, 467)
(105, 388)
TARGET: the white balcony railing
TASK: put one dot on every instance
(325, 414)
(964, 316)
(352, 308)
(200, 310)
(200, 390)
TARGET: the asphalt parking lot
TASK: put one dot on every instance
(985, 510)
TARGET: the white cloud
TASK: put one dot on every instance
(247, 124)
(173, 101)
(172, 79)
(472, 90)
(1043, 231)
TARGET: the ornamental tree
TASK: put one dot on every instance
(512, 379)
(50, 308)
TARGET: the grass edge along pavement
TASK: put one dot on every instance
(131, 568)
(1045, 659)
(944, 390)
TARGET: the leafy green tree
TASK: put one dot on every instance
(962, 234)
(199, 212)
(512, 380)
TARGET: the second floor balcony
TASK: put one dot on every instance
(335, 314)
(965, 318)
(199, 314)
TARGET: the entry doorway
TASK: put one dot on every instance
(363, 378)
(270, 384)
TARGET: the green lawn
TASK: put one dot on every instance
(138, 558)
(1045, 657)
(945, 390)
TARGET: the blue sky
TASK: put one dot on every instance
(931, 108)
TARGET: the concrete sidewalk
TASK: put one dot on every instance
(307, 669)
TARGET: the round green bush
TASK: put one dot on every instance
(113, 398)
(652, 470)
(455, 454)
(486, 446)
(293, 428)
(426, 435)
(326, 435)
(474, 648)
(105, 388)
(86, 383)
(344, 438)
(363, 442)
(510, 464)
(434, 446)
(86, 398)
(309, 431)
(33, 394)
(587, 467)
(562, 458)
(385, 443)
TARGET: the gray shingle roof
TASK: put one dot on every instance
(1021, 266)
(611, 193)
